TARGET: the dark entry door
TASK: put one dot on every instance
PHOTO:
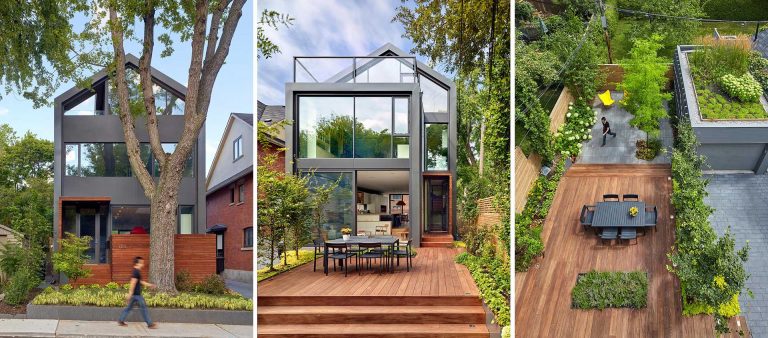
(219, 253)
(88, 227)
(437, 204)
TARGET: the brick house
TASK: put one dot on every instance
(229, 199)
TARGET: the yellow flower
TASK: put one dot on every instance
(720, 282)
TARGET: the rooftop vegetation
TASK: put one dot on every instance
(611, 289)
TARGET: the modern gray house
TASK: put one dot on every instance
(95, 191)
(384, 127)
(730, 146)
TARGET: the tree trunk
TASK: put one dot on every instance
(163, 232)
(481, 158)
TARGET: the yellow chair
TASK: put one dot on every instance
(606, 98)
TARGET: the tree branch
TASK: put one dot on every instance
(129, 133)
(213, 35)
(146, 84)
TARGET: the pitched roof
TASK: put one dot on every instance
(247, 118)
(270, 114)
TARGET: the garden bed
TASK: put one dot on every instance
(305, 256)
(110, 314)
(7, 309)
(611, 289)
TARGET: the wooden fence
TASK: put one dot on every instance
(195, 254)
(527, 167)
(614, 74)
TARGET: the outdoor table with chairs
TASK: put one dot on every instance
(611, 219)
(364, 249)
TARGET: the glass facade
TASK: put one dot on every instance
(436, 146)
(128, 218)
(384, 70)
(373, 127)
(434, 98)
(186, 217)
(325, 126)
(166, 103)
(87, 107)
(338, 211)
(401, 146)
(111, 160)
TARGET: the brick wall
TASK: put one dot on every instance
(269, 148)
(236, 217)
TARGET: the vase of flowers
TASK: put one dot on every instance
(633, 211)
(345, 232)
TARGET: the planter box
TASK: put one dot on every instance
(582, 274)
(729, 145)
(97, 313)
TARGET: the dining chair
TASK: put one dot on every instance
(407, 253)
(319, 246)
(628, 234)
(370, 254)
(651, 216)
(341, 254)
(610, 197)
(630, 197)
(609, 234)
(587, 214)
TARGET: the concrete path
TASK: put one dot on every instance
(741, 202)
(620, 149)
(71, 328)
(245, 289)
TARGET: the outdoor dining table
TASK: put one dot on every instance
(384, 240)
(616, 215)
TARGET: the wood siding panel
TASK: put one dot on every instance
(194, 253)
(557, 115)
(100, 274)
(526, 172)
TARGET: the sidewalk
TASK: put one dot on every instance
(72, 328)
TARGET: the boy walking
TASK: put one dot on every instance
(606, 129)
(134, 295)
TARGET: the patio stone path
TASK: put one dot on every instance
(741, 201)
(620, 149)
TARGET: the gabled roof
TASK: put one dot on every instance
(232, 117)
(388, 49)
(131, 61)
(270, 114)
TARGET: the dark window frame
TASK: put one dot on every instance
(248, 240)
(241, 193)
(237, 149)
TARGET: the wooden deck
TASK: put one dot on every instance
(437, 298)
(543, 294)
(434, 273)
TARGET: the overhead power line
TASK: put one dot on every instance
(648, 14)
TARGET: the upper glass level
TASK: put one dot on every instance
(346, 69)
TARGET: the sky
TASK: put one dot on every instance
(232, 92)
(325, 28)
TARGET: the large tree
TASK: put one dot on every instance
(209, 27)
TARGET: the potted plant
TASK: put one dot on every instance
(633, 211)
(345, 232)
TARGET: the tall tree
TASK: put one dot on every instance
(273, 20)
(209, 27)
(673, 31)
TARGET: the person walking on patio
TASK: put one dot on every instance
(134, 295)
(606, 129)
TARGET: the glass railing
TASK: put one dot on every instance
(345, 69)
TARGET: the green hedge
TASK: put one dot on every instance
(492, 278)
(710, 270)
(600, 290)
(113, 295)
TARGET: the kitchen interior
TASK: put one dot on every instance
(382, 203)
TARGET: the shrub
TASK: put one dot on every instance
(108, 297)
(758, 67)
(22, 282)
(112, 286)
(71, 258)
(184, 282)
(715, 106)
(648, 150)
(577, 129)
(712, 62)
(600, 290)
(744, 88)
(492, 278)
(212, 285)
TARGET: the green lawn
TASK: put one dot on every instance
(611, 289)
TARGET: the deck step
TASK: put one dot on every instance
(371, 314)
(373, 330)
(597, 170)
(437, 244)
(368, 301)
(437, 238)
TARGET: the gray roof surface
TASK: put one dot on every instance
(248, 118)
(761, 45)
(270, 114)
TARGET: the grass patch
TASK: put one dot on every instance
(714, 105)
(114, 296)
(600, 290)
(737, 10)
(305, 256)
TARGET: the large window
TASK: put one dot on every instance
(434, 98)
(338, 210)
(384, 70)
(111, 160)
(436, 136)
(373, 127)
(186, 219)
(130, 218)
(326, 127)
(166, 103)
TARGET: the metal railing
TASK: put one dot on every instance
(354, 69)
